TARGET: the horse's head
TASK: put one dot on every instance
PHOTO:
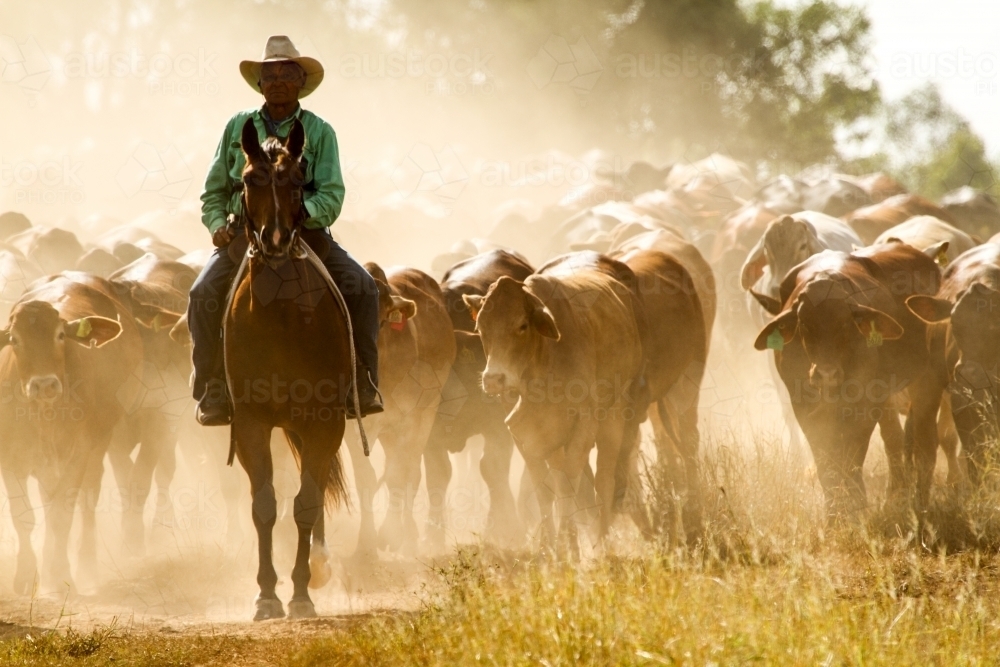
(272, 190)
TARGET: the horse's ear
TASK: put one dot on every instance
(250, 142)
(296, 139)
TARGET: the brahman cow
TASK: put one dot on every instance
(871, 221)
(63, 398)
(416, 350)
(969, 300)
(938, 239)
(675, 327)
(845, 346)
(156, 293)
(466, 411)
(567, 345)
(788, 241)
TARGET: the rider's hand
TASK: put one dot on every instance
(222, 236)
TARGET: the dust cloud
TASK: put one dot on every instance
(112, 111)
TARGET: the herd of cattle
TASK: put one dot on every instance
(879, 305)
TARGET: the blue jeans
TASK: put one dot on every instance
(208, 301)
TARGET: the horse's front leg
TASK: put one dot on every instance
(253, 447)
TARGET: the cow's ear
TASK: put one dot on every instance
(474, 303)
(180, 333)
(815, 247)
(778, 332)
(250, 142)
(93, 330)
(407, 309)
(876, 325)
(544, 323)
(938, 252)
(768, 303)
(154, 317)
(928, 308)
(753, 267)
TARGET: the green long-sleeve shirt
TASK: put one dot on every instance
(324, 189)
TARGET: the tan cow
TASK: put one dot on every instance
(567, 345)
(871, 221)
(63, 397)
(940, 240)
(416, 346)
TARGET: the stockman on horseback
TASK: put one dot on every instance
(283, 77)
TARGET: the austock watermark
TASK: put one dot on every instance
(445, 74)
(49, 182)
(184, 74)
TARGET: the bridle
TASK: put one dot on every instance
(255, 243)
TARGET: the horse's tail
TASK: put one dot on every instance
(336, 485)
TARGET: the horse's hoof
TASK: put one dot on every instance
(269, 608)
(301, 609)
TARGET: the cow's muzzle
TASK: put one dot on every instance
(493, 383)
(826, 376)
(43, 388)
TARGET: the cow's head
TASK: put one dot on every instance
(975, 324)
(786, 243)
(513, 324)
(393, 310)
(837, 333)
(39, 339)
(272, 189)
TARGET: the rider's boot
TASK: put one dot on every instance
(369, 397)
(214, 408)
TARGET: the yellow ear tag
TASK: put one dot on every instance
(395, 317)
(874, 337)
(942, 258)
(775, 341)
(84, 329)
(156, 323)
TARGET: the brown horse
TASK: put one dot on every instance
(288, 362)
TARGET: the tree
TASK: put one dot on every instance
(928, 145)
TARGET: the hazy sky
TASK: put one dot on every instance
(955, 43)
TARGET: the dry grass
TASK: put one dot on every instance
(772, 583)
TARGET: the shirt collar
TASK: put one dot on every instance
(274, 126)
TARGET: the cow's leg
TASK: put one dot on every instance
(608, 437)
(926, 396)
(367, 484)
(967, 415)
(437, 463)
(502, 522)
(166, 468)
(123, 441)
(948, 439)
(402, 476)
(23, 515)
(628, 486)
(544, 492)
(139, 485)
(253, 448)
(316, 462)
(89, 497)
(690, 443)
(892, 436)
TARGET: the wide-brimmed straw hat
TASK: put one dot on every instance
(279, 49)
